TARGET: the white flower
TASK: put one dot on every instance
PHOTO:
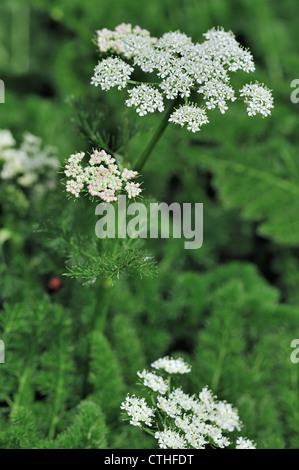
(101, 177)
(216, 93)
(146, 99)
(27, 164)
(169, 406)
(193, 116)
(6, 139)
(140, 49)
(74, 168)
(177, 83)
(184, 421)
(258, 98)
(113, 40)
(207, 400)
(183, 399)
(27, 179)
(15, 163)
(196, 441)
(153, 381)
(128, 174)
(172, 366)
(133, 189)
(182, 67)
(224, 48)
(169, 439)
(175, 41)
(112, 72)
(243, 443)
(226, 417)
(138, 410)
(74, 187)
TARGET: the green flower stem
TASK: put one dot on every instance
(102, 305)
(148, 431)
(157, 410)
(134, 82)
(126, 136)
(139, 164)
(169, 385)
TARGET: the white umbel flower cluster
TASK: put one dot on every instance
(179, 420)
(112, 72)
(258, 98)
(146, 99)
(153, 381)
(101, 178)
(191, 115)
(29, 165)
(182, 69)
(113, 40)
(138, 410)
(172, 366)
(169, 439)
(225, 50)
(216, 93)
(244, 443)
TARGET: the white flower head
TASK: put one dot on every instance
(182, 68)
(177, 83)
(114, 40)
(101, 178)
(225, 49)
(169, 439)
(6, 139)
(258, 99)
(138, 410)
(28, 163)
(112, 72)
(153, 381)
(184, 421)
(185, 401)
(191, 115)
(169, 406)
(216, 93)
(226, 417)
(243, 443)
(145, 99)
(172, 366)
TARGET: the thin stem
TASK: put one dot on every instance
(134, 82)
(102, 305)
(104, 298)
(126, 136)
(148, 431)
(169, 385)
(139, 164)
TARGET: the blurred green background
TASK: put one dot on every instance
(231, 307)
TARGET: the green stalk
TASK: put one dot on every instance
(104, 294)
(139, 164)
(102, 305)
(126, 136)
(148, 431)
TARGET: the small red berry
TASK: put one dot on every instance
(54, 283)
